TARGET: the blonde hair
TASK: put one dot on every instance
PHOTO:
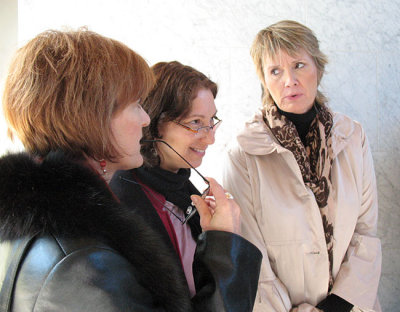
(289, 36)
(64, 87)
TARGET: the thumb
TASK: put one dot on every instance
(202, 208)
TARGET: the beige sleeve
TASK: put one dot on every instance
(358, 277)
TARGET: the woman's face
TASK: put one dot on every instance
(292, 81)
(126, 126)
(188, 144)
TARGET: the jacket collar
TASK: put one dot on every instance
(257, 139)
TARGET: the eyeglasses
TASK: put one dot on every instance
(191, 210)
(202, 130)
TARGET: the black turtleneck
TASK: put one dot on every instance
(302, 122)
(175, 187)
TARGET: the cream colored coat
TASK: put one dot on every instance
(281, 217)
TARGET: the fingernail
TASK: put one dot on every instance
(194, 200)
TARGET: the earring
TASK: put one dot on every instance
(103, 166)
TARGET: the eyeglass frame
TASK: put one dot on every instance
(196, 131)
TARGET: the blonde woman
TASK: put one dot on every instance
(304, 178)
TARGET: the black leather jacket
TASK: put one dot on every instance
(68, 245)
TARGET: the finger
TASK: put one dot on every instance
(203, 210)
(217, 190)
(210, 201)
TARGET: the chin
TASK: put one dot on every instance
(196, 164)
(134, 163)
(139, 162)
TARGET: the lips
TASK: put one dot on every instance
(198, 150)
(292, 96)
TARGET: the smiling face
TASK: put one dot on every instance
(190, 145)
(292, 81)
(126, 126)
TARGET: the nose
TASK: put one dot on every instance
(145, 119)
(290, 78)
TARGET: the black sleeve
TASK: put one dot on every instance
(226, 269)
(333, 303)
(94, 280)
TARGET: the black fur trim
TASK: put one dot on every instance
(63, 197)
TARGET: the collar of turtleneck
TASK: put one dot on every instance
(162, 180)
(302, 122)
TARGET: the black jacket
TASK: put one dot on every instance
(132, 195)
(87, 252)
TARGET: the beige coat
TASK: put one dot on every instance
(281, 217)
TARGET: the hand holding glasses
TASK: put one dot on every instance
(220, 213)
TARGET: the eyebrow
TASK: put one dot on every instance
(295, 60)
(200, 116)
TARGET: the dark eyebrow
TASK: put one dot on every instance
(199, 115)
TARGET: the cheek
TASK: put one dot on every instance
(312, 83)
(273, 89)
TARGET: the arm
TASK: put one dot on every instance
(361, 267)
(226, 267)
(93, 280)
(226, 271)
(99, 279)
(272, 294)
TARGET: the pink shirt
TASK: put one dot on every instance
(180, 235)
(186, 243)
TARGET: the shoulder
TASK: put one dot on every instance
(344, 126)
(125, 186)
(54, 195)
(256, 138)
(346, 133)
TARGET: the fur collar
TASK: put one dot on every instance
(63, 197)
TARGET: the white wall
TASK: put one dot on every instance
(8, 44)
(361, 39)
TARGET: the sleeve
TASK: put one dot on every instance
(226, 272)
(94, 280)
(226, 269)
(361, 268)
(333, 303)
(272, 294)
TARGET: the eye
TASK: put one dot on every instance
(275, 71)
(195, 122)
(300, 65)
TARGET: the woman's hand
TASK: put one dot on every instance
(220, 213)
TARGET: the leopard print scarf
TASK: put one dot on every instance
(314, 159)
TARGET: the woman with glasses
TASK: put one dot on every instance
(66, 242)
(183, 124)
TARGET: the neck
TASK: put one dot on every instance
(96, 166)
(302, 122)
(168, 168)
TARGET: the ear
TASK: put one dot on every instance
(161, 129)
